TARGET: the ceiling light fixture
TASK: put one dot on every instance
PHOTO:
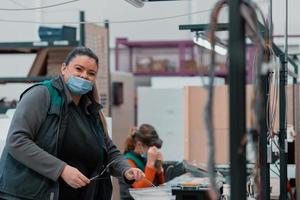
(201, 41)
(136, 3)
(140, 3)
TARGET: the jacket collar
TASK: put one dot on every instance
(59, 84)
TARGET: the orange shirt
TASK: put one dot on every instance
(150, 174)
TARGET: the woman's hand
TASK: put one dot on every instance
(152, 156)
(158, 163)
(134, 174)
(74, 177)
(159, 156)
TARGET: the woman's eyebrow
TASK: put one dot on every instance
(85, 67)
(79, 65)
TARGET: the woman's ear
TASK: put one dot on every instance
(63, 68)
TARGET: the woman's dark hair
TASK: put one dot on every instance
(83, 51)
(145, 134)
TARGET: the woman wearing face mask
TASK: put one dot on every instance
(57, 145)
(142, 151)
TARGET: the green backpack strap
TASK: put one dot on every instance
(56, 99)
(134, 158)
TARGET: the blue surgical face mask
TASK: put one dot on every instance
(79, 86)
(144, 154)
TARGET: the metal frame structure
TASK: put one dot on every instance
(237, 106)
(23, 79)
(33, 47)
(29, 47)
(237, 124)
(237, 74)
(264, 172)
(82, 28)
(284, 73)
(106, 25)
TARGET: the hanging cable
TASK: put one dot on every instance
(38, 8)
(111, 22)
(248, 12)
(96, 22)
(208, 114)
(276, 173)
(18, 4)
(273, 94)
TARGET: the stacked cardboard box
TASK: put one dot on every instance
(159, 65)
(190, 66)
(56, 57)
(143, 64)
(148, 64)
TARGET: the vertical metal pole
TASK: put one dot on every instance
(237, 56)
(282, 131)
(286, 31)
(117, 54)
(106, 24)
(297, 142)
(263, 142)
(282, 111)
(82, 31)
(271, 21)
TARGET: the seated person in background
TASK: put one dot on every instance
(142, 151)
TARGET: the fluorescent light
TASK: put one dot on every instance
(136, 3)
(206, 44)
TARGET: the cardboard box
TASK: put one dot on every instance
(190, 66)
(159, 65)
(53, 69)
(143, 64)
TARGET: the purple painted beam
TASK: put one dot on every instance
(181, 45)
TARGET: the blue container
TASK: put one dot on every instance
(56, 34)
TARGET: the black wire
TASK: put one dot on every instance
(275, 172)
(99, 22)
(17, 3)
(111, 22)
(37, 8)
(161, 18)
(277, 167)
(280, 149)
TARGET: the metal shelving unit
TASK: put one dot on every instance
(237, 47)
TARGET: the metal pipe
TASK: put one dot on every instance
(106, 24)
(237, 80)
(271, 21)
(282, 130)
(286, 31)
(30, 79)
(282, 111)
(82, 27)
(264, 166)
